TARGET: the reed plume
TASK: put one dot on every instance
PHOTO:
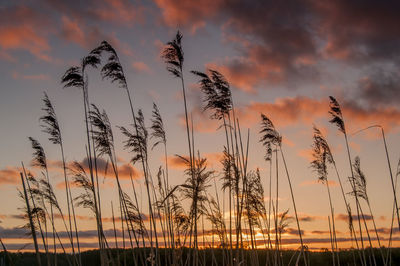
(76, 76)
(361, 190)
(50, 125)
(337, 119)
(322, 157)
(270, 135)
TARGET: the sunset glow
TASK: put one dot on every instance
(280, 59)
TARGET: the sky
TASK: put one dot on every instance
(283, 59)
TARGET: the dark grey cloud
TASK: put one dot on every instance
(287, 43)
(345, 217)
(380, 87)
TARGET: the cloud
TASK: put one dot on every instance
(38, 77)
(314, 182)
(125, 170)
(273, 39)
(213, 160)
(359, 30)
(302, 111)
(121, 12)
(86, 36)
(292, 231)
(10, 176)
(306, 154)
(141, 67)
(177, 13)
(380, 87)
(288, 43)
(292, 111)
(319, 232)
(175, 162)
(345, 217)
(30, 27)
(22, 28)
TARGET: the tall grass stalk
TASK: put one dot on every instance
(76, 76)
(322, 158)
(271, 136)
(389, 166)
(337, 119)
(32, 225)
(39, 160)
(113, 70)
(38, 211)
(51, 126)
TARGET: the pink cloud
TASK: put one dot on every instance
(38, 77)
(22, 28)
(75, 31)
(177, 13)
(24, 38)
(141, 67)
(120, 11)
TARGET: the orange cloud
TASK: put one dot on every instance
(126, 170)
(307, 154)
(301, 110)
(174, 162)
(61, 185)
(10, 176)
(213, 160)
(202, 121)
(292, 111)
(331, 183)
(246, 72)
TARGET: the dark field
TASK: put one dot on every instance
(206, 257)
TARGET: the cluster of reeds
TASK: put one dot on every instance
(170, 235)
